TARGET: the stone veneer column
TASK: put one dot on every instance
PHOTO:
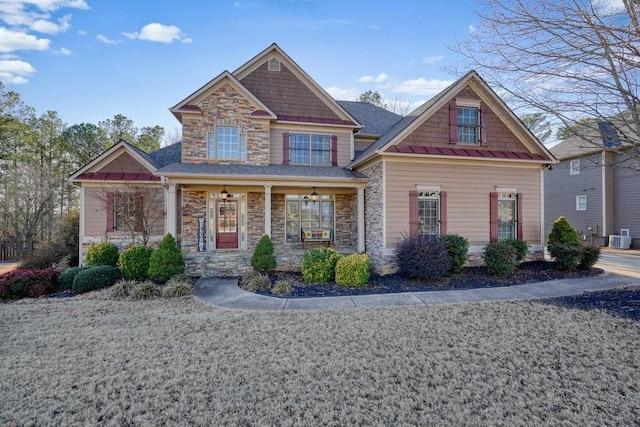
(170, 196)
(267, 210)
(360, 214)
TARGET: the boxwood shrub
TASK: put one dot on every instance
(500, 258)
(167, 260)
(319, 265)
(353, 270)
(457, 248)
(65, 281)
(134, 262)
(103, 253)
(95, 278)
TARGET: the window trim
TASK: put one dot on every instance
(574, 167)
(579, 206)
(510, 196)
(212, 144)
(477, 126)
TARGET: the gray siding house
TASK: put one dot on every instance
(596, 186)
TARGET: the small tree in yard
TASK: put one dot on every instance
(263, 259)
(166, 261)
(564, 245)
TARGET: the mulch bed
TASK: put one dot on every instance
(623, 303)
(469, 278)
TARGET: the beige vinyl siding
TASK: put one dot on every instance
(468, 188)
(344, 144)
(95, 211)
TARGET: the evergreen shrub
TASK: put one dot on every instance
(263, 259)
(319, 265)
(103, 253)
(353, 270)
(167, 260)
(457, 248)
(94, 278)
(500, 258)
(134, 262)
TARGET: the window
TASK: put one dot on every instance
(428, 213)
(507, 216)
(309, 149)
(468, 125)
(301, 213)
(124, 211)
(574, 167)
(227, 143)
(581, 203)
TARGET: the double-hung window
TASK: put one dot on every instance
(581, 203)
(574, 167)
(468, 125)
(309, 149)
(302, 213)
(428, 213)
(227, 143)
(507, 216)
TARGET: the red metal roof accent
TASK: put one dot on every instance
(190, 109)
(316, 120)
(260, 113)
(463, 152)
(115, 176)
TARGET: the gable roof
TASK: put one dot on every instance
(274, 51)
(376, 121)
(588, 140)
(417, 117)
(111, 154)
(188, 105)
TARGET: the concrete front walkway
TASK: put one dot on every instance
(226, 293)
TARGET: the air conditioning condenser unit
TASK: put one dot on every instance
(619, 242)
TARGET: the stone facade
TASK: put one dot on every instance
(225, 107)
(374, 226)
(255, 219)
(346, 220)
(194, 206)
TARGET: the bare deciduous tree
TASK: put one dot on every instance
(570, 60)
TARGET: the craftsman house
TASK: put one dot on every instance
(265, 150)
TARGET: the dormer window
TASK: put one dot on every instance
(467, 122)
(468, 125)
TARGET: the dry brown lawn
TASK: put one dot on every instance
(93, 361)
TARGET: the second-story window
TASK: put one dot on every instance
(309, 149)
(227, 143)
(574, 167)
(468, 125)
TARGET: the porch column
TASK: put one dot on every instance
(360, 214)
(82, 223)
(170, 217)
(267, 210)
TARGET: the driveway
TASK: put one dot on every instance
(620, 263)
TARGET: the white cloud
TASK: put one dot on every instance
(107, 40)
(160, 33)
(64, 51)
(419, 86)
(131, 36)
(48, 27)
(376, 79)
(82, 33)
(432, 59)
(11, 40)
(15, 71)
(343, 94)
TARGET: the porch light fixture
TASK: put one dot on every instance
(224, 193)
(314, 195)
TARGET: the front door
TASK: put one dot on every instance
(227, 224)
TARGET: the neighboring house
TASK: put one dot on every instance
(265, 150)
(595, 186)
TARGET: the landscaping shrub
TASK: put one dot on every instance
(65, 281)
(319, 265)
(134, 262)
(520, 247)
(145, 290)
(178, 286)
(67, 236)
(28, 283)
(564, 245)
(103, 253)
(457, 248)
(254, 281)
(94, 278)
(590, 255)
(166, 261)
(282, 287)
(122, 289)
(500, 258)
(353, 270)
(422, 257)
(263, 259)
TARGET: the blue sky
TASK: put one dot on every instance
(90, 60)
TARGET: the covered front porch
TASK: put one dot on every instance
(221, 220)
